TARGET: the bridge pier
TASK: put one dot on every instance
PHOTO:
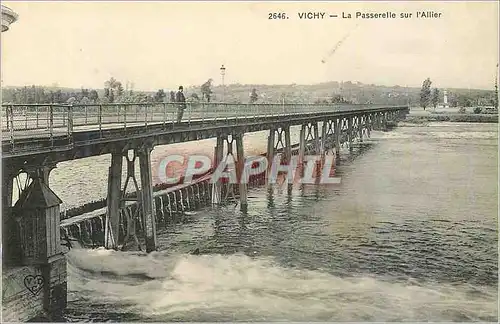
(10, 233)
(337, 131)
(117, 196)
(288, 145)
(360, 128)
(302, 150)
(218, 156)
(350, 132)
(322, 149)
(317, 145)
(114, 198)
(240, 165)
(35, 277)
(148, 208)
(275, 143)
(368, 124)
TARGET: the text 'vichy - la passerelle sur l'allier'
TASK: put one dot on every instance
(371, 15)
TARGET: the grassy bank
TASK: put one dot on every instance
(450, 117)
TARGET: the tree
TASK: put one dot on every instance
(85, 101)
(93, 96)
(119, 89)
(159, 95)
(425, 93)
(464, 101)
(206, 90)
(495, 100)
(337, 98)
(435, 97)
(254, 96)
(112, 87)
(58, 97)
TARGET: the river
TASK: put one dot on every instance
(410, 234)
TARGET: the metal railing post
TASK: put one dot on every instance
(11, 112)
(125, 116)
(70, 120)
(99, 119)
(86, 115)
(164, 115)
(26, 117)
(7, 118)
(146, 114)
(51, 125)
(36, 114)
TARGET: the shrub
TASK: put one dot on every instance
(477, 110)
(461, 110)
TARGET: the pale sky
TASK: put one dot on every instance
(165, 44)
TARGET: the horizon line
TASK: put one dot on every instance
(251, 84)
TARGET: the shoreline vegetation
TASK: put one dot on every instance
(451, 117)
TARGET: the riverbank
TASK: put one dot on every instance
(451, 117)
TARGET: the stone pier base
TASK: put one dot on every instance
(34, 291)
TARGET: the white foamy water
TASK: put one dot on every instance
(216, 287)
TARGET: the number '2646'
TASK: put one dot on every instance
(277, 15)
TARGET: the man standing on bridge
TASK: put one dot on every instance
(181, 103)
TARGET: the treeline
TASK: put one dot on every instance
(330, 92)
(456, 97)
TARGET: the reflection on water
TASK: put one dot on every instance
(409, 234)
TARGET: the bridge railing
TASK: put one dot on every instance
(46, 120)
(49, 120)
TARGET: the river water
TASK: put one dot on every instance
(409, 235)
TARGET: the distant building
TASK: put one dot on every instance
(8, 17)
(445, 98)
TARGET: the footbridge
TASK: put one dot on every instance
(37, 137)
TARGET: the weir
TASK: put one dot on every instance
(32, 247)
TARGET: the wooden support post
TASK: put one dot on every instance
(323, 138)
(288, 145)
(270, 153)
(270, 145)
(240, 165)
(369, 121)
(350, 132)
(113, 201)
(302, 150)
(218, 156)
(302, 144)
(317, 146)
(148, 204)
(337, 133)
(360, 128)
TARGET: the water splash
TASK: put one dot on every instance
(166, 287)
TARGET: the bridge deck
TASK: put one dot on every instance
(68, 128)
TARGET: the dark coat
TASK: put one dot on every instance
(179, 97)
